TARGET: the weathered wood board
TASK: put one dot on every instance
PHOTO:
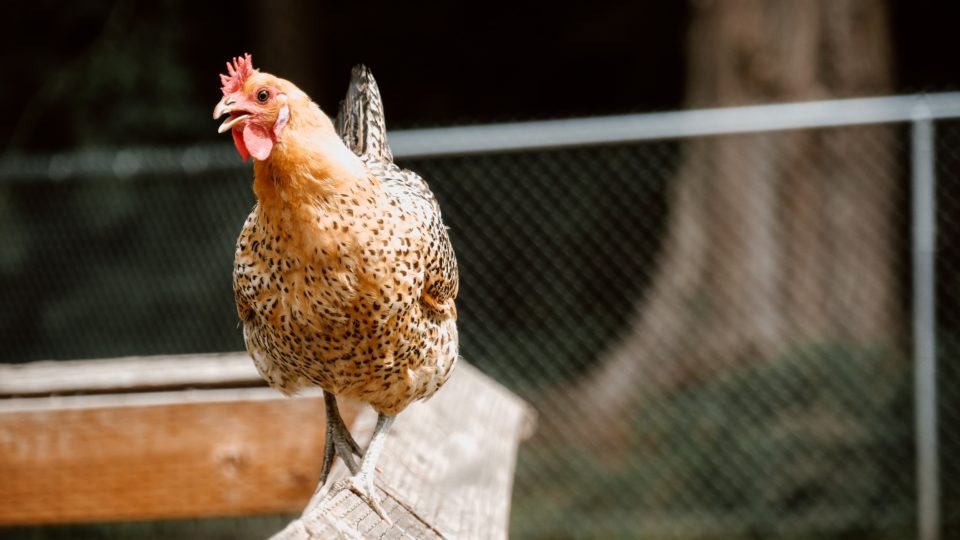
(122, 453)
(446, 471)
(159, 455)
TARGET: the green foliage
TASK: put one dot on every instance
(814, 444)
(949, 410)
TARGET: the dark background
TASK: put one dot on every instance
(104, 73)
(108, 264)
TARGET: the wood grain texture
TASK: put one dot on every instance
(446, 470)
(159, 455)
(129, 374)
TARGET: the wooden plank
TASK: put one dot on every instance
(128, 374)
(159, 455)
(446, 470)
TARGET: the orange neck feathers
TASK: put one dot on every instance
(310, 162)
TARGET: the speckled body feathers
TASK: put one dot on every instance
(344, 274)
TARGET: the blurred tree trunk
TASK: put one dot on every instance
(774, 240)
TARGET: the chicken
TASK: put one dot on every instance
(344, 275)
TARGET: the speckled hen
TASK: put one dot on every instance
(344, 274)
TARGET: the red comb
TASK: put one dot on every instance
(239, 70)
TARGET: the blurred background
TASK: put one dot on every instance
(716, 331)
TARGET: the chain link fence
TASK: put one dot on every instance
(716, 330)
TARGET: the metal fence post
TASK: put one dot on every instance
(924, 320)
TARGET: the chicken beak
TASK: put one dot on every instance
(224, 107)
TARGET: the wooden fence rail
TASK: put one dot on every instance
(142, 439)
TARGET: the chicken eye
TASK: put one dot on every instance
(263, 96)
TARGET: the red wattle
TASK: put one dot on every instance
(257, 141)
(238, 142)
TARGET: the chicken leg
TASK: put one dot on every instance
(338, 440)
(361, 482)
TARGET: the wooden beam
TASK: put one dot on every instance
(159, 455)
(131, 374)
(446, 470)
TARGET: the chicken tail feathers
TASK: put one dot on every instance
(360, 121)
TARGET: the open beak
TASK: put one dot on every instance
(225, 107)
